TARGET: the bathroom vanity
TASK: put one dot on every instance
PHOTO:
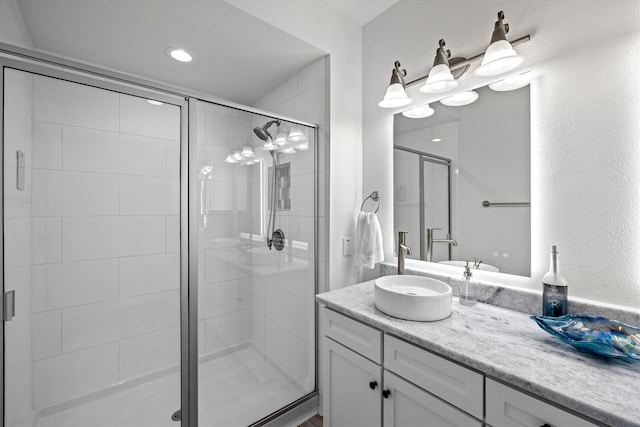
(484, 365)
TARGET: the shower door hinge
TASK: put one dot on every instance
(9, 306)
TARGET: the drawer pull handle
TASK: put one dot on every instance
(386, 393)
(373, 385)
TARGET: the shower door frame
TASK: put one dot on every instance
(26, 60)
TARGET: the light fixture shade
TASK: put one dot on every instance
(395, 97)
(420, 112)
(269, 145)
(248, 152)
(296, 135)
(230, 159)
(281, 138)
(439, 80)
(288, 150)
(511, 82)
(302, 146)
(238, 156)
(460, 99)
(499, 58)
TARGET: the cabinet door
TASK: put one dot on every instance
(352, 387)
(508, 407)
(406, 405)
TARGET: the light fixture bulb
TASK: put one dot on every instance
(180, 55)
(439, 80)
(281, 138)
(296, 135)
(248, 152)
(460, 99)
(512, 82)
(230, 159)
(154, 102)
(420, 112)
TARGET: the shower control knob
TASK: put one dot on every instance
(373, 385)
(386, 393)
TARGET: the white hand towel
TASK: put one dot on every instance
(368, 240)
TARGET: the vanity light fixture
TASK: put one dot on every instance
(288, 150)
(396, 95)
(511, 82)
(500, 57)
(269, 145)
(460, 99)
(440, 78)
(238, 156)
(420, 112)
(302, 146)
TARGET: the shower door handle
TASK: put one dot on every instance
(9, 306)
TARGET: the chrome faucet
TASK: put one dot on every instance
(431, 241)
(402, 249)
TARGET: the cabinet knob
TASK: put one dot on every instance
(373, 385)
(386, 393)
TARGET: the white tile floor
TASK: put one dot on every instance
(235, 390)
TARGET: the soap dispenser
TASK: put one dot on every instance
(468, 288)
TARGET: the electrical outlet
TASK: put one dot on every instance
(347, 246)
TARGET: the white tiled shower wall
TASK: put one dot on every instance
(104, 260)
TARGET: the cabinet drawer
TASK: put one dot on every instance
(509, 407)
(357, 336)
(460, 386)
(406, 405)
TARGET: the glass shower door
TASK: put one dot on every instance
(92, 253)
(256, 312)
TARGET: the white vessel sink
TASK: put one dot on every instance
(483, 266)
(412, 297)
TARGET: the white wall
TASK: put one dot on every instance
(323, 27)
(584, 110)
(12, 28)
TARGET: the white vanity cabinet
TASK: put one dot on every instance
(359, 390)
(508, 407)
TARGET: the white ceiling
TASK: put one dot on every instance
(236, 56)
(361, 11)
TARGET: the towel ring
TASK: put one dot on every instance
(375, 196)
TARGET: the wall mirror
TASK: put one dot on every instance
(463, 175)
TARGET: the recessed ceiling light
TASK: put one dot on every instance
(436, 139)
(154, 102)
(180, 55)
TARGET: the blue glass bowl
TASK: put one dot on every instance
(598, 335)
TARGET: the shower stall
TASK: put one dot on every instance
(144, 282)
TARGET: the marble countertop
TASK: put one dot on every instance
(507, 345)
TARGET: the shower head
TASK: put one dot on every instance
(263, 132)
